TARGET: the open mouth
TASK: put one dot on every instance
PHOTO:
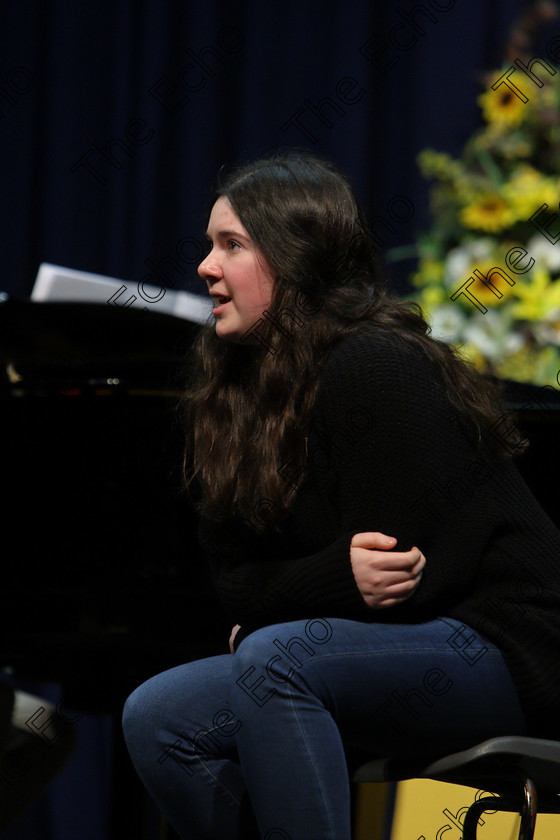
(220, 302)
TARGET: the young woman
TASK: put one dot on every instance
(330, 436)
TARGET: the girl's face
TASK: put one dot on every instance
(236, 270)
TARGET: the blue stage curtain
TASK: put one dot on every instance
(116, 115)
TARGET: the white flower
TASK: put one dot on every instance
(447, 323)
(491, 334)
(481, 249)
(512, 343)
(547, 331)
(544, 252)
(460, 260)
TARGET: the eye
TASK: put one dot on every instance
(232, 245)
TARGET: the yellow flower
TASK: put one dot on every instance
(432, 296)
(536, 295)
(487, 287)
(502, 107)
(489, 213)
(528, 190)
(429, 272)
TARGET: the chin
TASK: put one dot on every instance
(228, 334)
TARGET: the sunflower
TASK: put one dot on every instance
(502, 107)
(489, 213)
(488, 287)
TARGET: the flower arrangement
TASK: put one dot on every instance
(482, 204)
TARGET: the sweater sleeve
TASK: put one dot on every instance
(258, 590)
(385, 429)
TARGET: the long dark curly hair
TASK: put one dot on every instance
(247, 406)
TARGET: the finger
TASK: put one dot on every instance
(382, 581)
(397, 594)
(417, 568)
(394, 560)
(373, 539)
(400, 591)
(409, 559)
(403, 588)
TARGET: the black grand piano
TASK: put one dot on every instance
(104, 566)
(104, 584)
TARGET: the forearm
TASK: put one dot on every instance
(263, 592)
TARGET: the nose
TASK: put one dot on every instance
(209, 268)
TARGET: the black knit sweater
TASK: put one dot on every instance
(386, 452)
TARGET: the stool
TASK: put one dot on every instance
(524, 772)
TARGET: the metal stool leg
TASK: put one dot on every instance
(473, 814)
(489, 803)
(528, 811)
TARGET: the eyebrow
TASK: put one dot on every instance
(224, 234)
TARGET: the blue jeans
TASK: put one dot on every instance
(274, 723)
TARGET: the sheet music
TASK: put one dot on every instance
(58, 283)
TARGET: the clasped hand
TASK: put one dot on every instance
(385, 578)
